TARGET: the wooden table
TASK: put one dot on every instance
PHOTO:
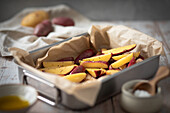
(157, 29)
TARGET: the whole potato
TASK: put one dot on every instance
(34, 18)
(43, 28)
(63, 21)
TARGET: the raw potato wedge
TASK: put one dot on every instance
(78, 69)
(110, 72)
(78, 77)
(118, 57)
(34, 18)
(120, 50)
(105, 58)
(123, 66)
(122, 61)
(94, 64)
(133, 61)
(58, 64)
(96, 72)
(136, 54)
(59, 70)
(85, 54)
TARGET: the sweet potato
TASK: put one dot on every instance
(78, 69)
(85, 54)
(63, 21)
(133, 61)
(43, 28)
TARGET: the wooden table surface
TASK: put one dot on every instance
(157, 29)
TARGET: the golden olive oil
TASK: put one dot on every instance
(12, 103)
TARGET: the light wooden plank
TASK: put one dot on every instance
(164, 32)
(8, 71)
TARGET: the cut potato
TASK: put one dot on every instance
(119, 57)
(96, 72)
(120, 50)
(122, 61)
(85, 54)
(105, 58)
(110, 72)
(58, 64)
(59, 70)
(78, 77)
(94, 64)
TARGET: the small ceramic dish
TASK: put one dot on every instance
(27, 93)
(134, 104)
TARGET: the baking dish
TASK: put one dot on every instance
(111, 85)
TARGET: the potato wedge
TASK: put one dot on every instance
(122, 61)
(58, 63)
(120, 50)
(78, 77)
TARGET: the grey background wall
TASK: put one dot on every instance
(97, 9)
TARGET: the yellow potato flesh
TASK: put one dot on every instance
(78, 77)
(58, 64)
(119, 57)
(105, 57)
(96, 72)
(59, 70)
(109, 72)
(119, 49)
(34, 18)
(92, 64)
(136, 54)
(122, 61)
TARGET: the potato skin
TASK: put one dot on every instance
(43, 28)
(85, 54)
(63, 21)
(34, 18)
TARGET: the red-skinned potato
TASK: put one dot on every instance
(58, 63)
(77, 77)
(63, 21)
(43, 28)
(120, 50)
(105, 57)
(133, 61)
(66, 59)
(59, 70)
(78, 69)
(85, 54)
(96, 72)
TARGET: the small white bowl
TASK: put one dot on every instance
(134, 104)
(26, 92)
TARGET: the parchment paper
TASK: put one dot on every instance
(100, 37)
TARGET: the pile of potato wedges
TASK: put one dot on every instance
(95, 65)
